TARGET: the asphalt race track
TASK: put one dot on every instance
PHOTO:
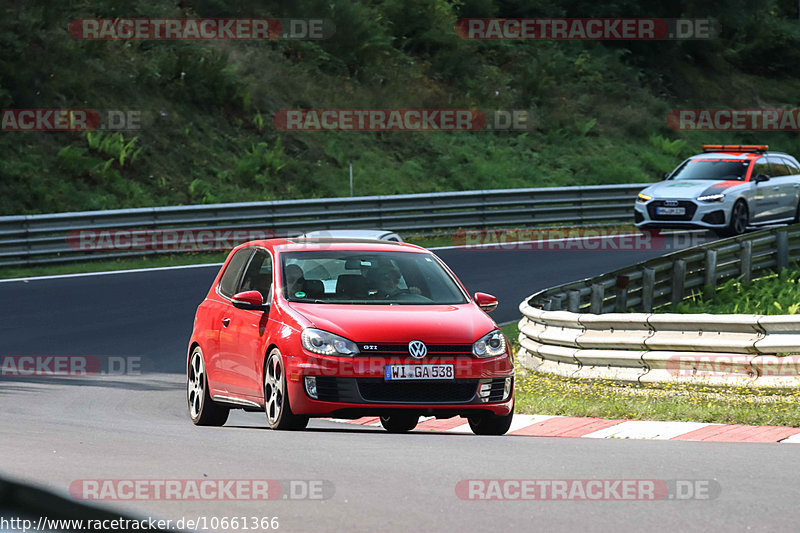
(59, 430)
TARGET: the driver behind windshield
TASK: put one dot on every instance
(384, 280)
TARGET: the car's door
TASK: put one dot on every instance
(247, 329)
(765, 194)
(218, 313)
(782, 185)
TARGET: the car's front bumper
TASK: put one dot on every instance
(698, 215)
(355, 387)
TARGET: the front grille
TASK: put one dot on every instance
(690, 207)
(401, 350)
(714, 217)
(333, 389)
(497, 391)
(455, 391)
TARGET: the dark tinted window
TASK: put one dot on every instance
(712, 169)
(233, 272)
(778, 166)
(762, 167)
(258, 276)
(792, 166)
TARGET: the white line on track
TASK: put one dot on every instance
(109, 272)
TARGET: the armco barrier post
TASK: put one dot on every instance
(782, 245)
(598, 294)
(710, 285)
(621, 301)
(746, 263)
(574, 301)
(678, 280)
(648, 287)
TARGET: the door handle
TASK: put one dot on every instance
(226, 322)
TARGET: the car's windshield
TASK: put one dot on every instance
(712, 169)
(363, 277)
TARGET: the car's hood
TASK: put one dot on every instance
(688, 189)
(464, 323)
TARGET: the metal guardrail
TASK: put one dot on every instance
(672, 277)
(41, 239)
(588, 339)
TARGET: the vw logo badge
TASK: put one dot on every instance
(417, 349)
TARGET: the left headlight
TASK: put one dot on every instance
(490, 345)
(643, 197)
(711, 198)
(326, 343)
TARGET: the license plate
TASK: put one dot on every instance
(401, 372)
(670, 210)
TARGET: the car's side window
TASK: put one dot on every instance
(761, 167)
(778, 166)
(233, 272)
(258, 276)
(793, 167)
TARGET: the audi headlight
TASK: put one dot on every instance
(644, 198)
(711, 198)
(325, 343)
(490, 345)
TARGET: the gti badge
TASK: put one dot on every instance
(417, 349)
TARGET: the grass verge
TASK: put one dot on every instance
(547, 394)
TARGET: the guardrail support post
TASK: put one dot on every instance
(710, 285)
(648, 288)
(598, 293)
(574, 301)
(555, 303)
(782, 244)
(621, 302)
(678, 280)
(746, 262)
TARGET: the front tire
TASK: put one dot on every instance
(399, 423)
(202, 409)
(740, 219)
(491, 424)
(276, 399)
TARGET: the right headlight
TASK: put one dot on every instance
(490, 345)
(326, 343)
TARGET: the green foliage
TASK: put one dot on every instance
(774, 294)
(207, 134)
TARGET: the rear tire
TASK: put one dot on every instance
(276, 399)
(202, 409)
(491, 424)
(399, 423)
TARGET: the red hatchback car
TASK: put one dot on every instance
(306, 328)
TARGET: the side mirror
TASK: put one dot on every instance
(249, 300)
(666, 175)
(761, 178)
(486, 302)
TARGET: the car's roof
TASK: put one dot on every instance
(338, 244)
(348, 233)
(744, 156)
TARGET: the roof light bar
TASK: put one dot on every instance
(735, 147)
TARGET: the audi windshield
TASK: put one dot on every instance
(712, 169)
(357, 277)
